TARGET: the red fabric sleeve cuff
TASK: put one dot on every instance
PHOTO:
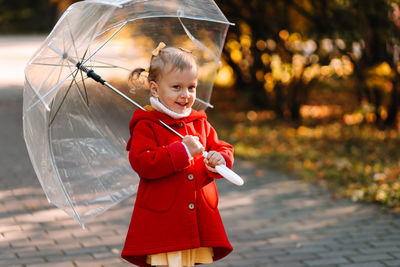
(228, 160)
(179, 157)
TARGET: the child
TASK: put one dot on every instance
(175, 221)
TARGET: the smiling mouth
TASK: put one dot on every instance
(182, 104)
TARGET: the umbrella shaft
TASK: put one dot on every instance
(90, 73)
(139, 106)
(171, 129)
(97, 78)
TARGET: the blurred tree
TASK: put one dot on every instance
(394, 48)
(24, 16)
(373, 28)
(281, 49)
(273, 52)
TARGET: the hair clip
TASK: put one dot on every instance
(147, 69)
(156, 51)
(144, 74)
(185, 50)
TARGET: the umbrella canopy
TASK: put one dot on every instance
(76, 129)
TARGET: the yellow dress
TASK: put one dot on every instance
(182, 258)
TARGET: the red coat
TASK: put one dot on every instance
(176, 202)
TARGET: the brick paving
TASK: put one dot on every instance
(273, 220)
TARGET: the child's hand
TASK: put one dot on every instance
(213, 159)
(193, 144)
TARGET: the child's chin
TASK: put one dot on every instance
(181, 111)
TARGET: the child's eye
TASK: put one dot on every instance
(176, 87)
(192, 88)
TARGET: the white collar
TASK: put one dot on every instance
(157, 105)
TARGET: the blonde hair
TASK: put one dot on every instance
(168, 59)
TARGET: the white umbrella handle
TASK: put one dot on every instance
(227, 173)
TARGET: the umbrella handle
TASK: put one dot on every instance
(227, 173)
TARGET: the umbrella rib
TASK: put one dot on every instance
(198, 43)
(72, 38)
(48, 76)
(63, 99)
(94, 53)
(59, 75)
(48, 64)
(41, 97)
(46, 58)
(167, 16)
(204, 102)
(86, 99)
(69, 87)
(100, 67)
(108, 65)
(79, 89)
(83, 79)
(76, 215)
(77, 85)
(101, 46)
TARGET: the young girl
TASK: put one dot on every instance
(175, 221)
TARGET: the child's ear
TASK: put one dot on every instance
(154, 88)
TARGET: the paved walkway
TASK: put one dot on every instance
(272, 220)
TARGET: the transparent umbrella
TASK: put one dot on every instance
(76, 129)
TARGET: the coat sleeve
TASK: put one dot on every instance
(151, 161)
(213, 143)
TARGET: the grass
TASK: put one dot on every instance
(358, 161)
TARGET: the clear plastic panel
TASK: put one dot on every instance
(64, 47)
(37, 141)
(76, 129)
(88, 142)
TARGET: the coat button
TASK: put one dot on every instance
(180, 124)
(190, 177)
(191, 206)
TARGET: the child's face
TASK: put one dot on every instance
(176, 89)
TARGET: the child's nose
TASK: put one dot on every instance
(185, 93)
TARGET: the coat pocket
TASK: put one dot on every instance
(210, 194)
(158, 195)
